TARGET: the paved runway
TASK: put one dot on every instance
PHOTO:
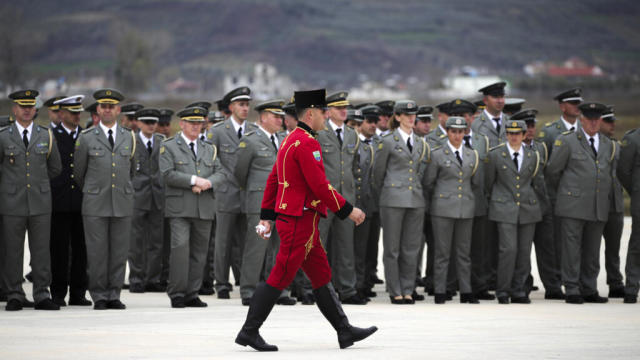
(150, 329)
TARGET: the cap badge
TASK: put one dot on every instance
(197, 111)
(409, 105)
(592, 106)
(27, 93)
(342, 95)
(458, 121)
(108, 92)
(458, 102)
(514, 124)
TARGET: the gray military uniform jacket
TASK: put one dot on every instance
(552, 130)
(582, 181)
(103, 173)
(480, 143)
(617, 197)
(147, 179)
(512, 197)
(340, 162)
(436, 137)
(178, 165)
(256, 157)
(486, 126)
(364, 192)
(229, 195)
(450, 184)
(25, 189)
(539, 184)
(399, 174)
(628, 168)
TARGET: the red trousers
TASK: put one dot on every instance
(300, 246)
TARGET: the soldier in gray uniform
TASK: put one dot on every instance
(231, 220)
(628, 172)
(581, 170)
(449, 179)
(568, 101)
(612, 232)
(191, 170)
(481, 246)
(398, 173)
(29, 158)
(386, 112)
(145, 249)
(340, 144)
(103, 167)
(509, 172)
(548, 266)
(438, 136)
(491, 121)
(512, 105)
(257, 154)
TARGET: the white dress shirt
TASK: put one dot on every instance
(106, 131)
(519, 151)
(21, 130)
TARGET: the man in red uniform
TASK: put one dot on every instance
(297, 193)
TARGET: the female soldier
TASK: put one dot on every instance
(399, 165)
(448, 179)
(514, 206)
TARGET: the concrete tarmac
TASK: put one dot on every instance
(150, 329)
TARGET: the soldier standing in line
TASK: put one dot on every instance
(386, 112)
(548, 267)
(53, 111)
(191, 170)
(628, 172)
(612, 232)
(164, 128)
(512, 105)
(145, 250)
(257, 154)
(103, 167)
(67, 232)
(449, 179)
(438, 136)
(29, 158)
(398, 171)
(581, 170)
(231, 220)
(207, 124)
(568, 101)
(164, 124)
(491, 121)
(128, 119)
(340, 144)
(510, 170)
(94, 119)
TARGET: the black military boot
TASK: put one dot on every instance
(330, 306)
(262, 301)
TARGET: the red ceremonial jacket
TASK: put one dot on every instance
(298, 181)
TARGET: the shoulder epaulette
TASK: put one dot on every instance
(218, 124)
(86, 130)
(567, 132)
(167, 139)
(161, 136)
(125, 128)
(497, 146)
(4, 128)
(630, 131)
(548, 124)
(249, 133)
(387, 134)
(43, 127)
(437, 147)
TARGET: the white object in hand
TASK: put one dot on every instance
(260, 229)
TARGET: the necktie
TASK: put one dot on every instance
(273, 141)
(338, 131)
(572, 128)
(409, 144)
(497, 120)
(192, 146)
(593, 147)
(239, 133)
(515, 160)
(73, 134)
(467, 141)
(149, 148)
(458, 157)
(367, 141)
(202, 137)
(111, 138)
(25, 140)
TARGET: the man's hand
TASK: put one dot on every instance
(357, 216)
(203, 183)
(196, 189)
(267, 229)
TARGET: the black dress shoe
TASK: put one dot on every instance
(429, 291)
(503, 300)
(521, 300)
(554, 295)
(307, 299)
(451, 294)
(285, 300)
(206, 289)
(116, 305)
(246, 301)
(59, 301)
(195, 302)
(354, 300)
(29, 276)
(417, 297)
(79, 301)
(595, 298)
(396, 301)
(46, 304)
(409, 301)
(485, 295)
(574, 299)
(630, 299)
(468, 298)
(155, 287)
(13, 305)
(177, 302)
(100, 305)
(616, 292)
(125, 286)
(377, 280)
(223, 294)
(136, 288)
(256, 341)
(27, 304)
(419, 282)
(369, 293)
(440, 298)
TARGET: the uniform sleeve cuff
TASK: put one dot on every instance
(344, 212)
(268, 214)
